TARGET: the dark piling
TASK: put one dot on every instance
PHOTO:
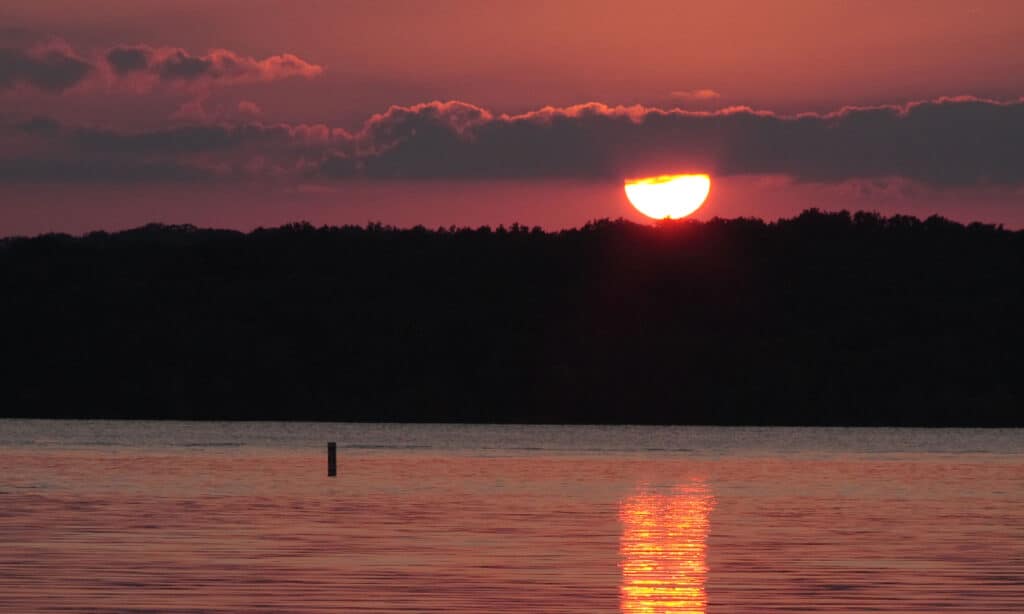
(332, 459)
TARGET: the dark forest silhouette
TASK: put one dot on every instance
(826, 318)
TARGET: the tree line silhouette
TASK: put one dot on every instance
(825, 318)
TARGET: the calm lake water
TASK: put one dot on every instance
(236, 517)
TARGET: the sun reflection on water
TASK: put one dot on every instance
(664, 550)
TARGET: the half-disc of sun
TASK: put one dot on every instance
(668, 196)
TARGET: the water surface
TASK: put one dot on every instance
(107, 516)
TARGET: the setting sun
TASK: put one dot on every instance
(668, 196)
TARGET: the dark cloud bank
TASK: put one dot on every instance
(947, 142)
(956, 141)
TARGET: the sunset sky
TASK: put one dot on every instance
(239, 113)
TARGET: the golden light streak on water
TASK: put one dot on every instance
(664, 551)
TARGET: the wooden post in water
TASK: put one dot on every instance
(332, 459)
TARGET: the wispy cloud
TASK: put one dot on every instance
(695, 95)
(55, 68)
(167, 65)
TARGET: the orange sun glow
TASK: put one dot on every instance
(668, 196)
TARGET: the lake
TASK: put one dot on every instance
(105, 516)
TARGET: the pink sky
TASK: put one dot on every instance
(115, 113)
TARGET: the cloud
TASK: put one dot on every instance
(195, 111)
(93, 171)
(124, 60)
(946, 142)
(250, 108)
(173, 66)
(51, 68)
(55, 68)
(695, 95)
(44, 149)
(192, 111)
